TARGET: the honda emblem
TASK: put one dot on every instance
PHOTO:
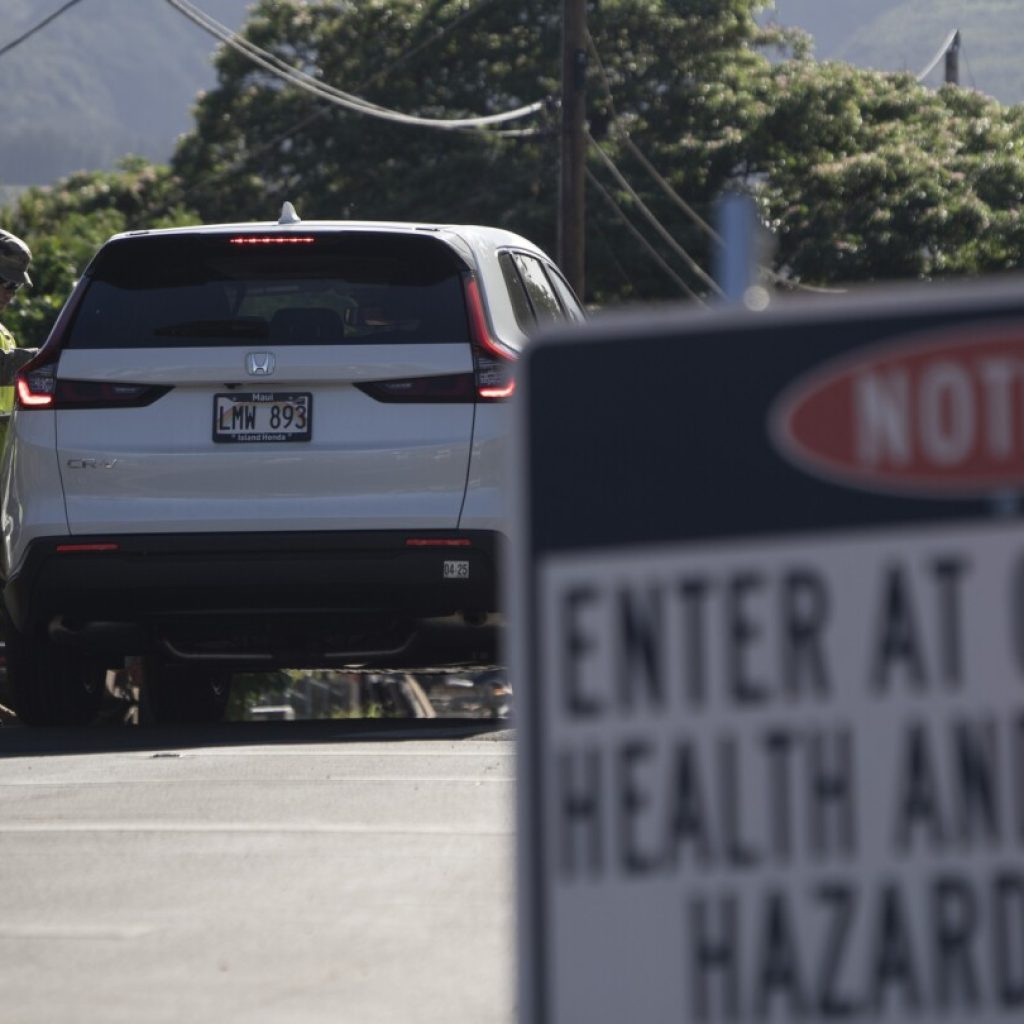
(260, 364)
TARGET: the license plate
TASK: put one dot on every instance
(262, 416)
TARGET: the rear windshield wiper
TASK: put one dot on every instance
(238, 327)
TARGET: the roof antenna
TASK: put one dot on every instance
(288, 215)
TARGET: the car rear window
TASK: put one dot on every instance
(285, 289)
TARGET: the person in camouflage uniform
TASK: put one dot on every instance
(15, 258)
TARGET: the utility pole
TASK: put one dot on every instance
(953, 60)
(573, 149)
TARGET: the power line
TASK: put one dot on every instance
(435, 38)
(36, 28)
(623, 183)
(572, 146)
(613, 259)
(281, 69)
(622, 134)
(950, 39)
(667, 188)
(653, 220)
(323, 111)
(651, 251)
(970, 71)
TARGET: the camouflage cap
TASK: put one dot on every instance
(15, 256)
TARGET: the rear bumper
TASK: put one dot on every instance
(134, 585)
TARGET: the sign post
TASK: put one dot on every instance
(770, 602)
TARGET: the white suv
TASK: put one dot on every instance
(257, 445)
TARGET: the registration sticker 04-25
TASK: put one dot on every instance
(254, 416)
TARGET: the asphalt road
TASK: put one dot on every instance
(294, 871)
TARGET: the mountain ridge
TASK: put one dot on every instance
(112, 77)
(904, 35)
(104, 79)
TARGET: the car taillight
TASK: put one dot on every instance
(93, 548)
(492, 378)
(456, 387)
(37, 387)
(272, 240)
(95, 394)
(35, 384)
(438, 542)
(493, 362)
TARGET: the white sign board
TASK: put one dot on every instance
(769, 614)
(788, 778)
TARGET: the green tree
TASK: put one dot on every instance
(65, 224)
(870, 176)
(861, 175)
(258, 142)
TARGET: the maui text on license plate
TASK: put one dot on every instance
(254, 416)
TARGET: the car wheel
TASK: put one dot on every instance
(179, 694)
(52, 685)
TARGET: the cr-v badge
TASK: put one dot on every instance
(92, 463)
(260, 364)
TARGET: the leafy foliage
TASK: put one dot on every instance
(870, 176)
(861, 175)
(64, 226)
(257, 143)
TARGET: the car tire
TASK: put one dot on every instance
(175, 694)
(51, 685)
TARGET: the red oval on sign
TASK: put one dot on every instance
(941, 415)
